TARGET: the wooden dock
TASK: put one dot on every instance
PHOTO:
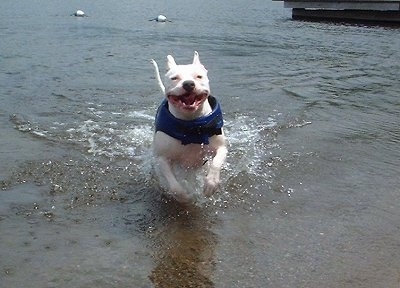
(383, 11)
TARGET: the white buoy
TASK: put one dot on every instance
(79, 13)
(160, 18)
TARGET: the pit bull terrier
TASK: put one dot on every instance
(188, 127)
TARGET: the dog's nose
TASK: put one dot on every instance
(188, 85)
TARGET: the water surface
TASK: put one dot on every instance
(310, 188)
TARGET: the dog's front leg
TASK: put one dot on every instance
(211, 180)
(175, 189)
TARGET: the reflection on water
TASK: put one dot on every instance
(180, 238)
(184, 249)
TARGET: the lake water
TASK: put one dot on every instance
(310, 192)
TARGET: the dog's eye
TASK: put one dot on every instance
(174, 78)
(199, 77)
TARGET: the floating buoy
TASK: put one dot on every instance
(79, 13)
(160, 18)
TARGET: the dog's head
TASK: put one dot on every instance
(187, 86)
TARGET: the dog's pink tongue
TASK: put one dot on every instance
(189, 99)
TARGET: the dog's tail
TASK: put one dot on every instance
(160, 83)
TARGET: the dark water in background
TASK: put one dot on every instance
(310, 191)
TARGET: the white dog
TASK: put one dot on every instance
(188, 127)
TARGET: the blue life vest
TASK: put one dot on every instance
(197, 131)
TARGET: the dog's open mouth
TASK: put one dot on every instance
(188, 101)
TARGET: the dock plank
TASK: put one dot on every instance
(357, 10)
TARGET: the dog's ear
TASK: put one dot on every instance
(171, 62)
(196, 58)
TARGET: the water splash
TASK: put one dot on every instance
(248, 146)
(128, 136)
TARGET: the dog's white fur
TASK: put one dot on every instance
(169, 151)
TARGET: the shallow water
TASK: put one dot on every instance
(310, 188)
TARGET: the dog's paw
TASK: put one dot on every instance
(180, 194)
(210, 186)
